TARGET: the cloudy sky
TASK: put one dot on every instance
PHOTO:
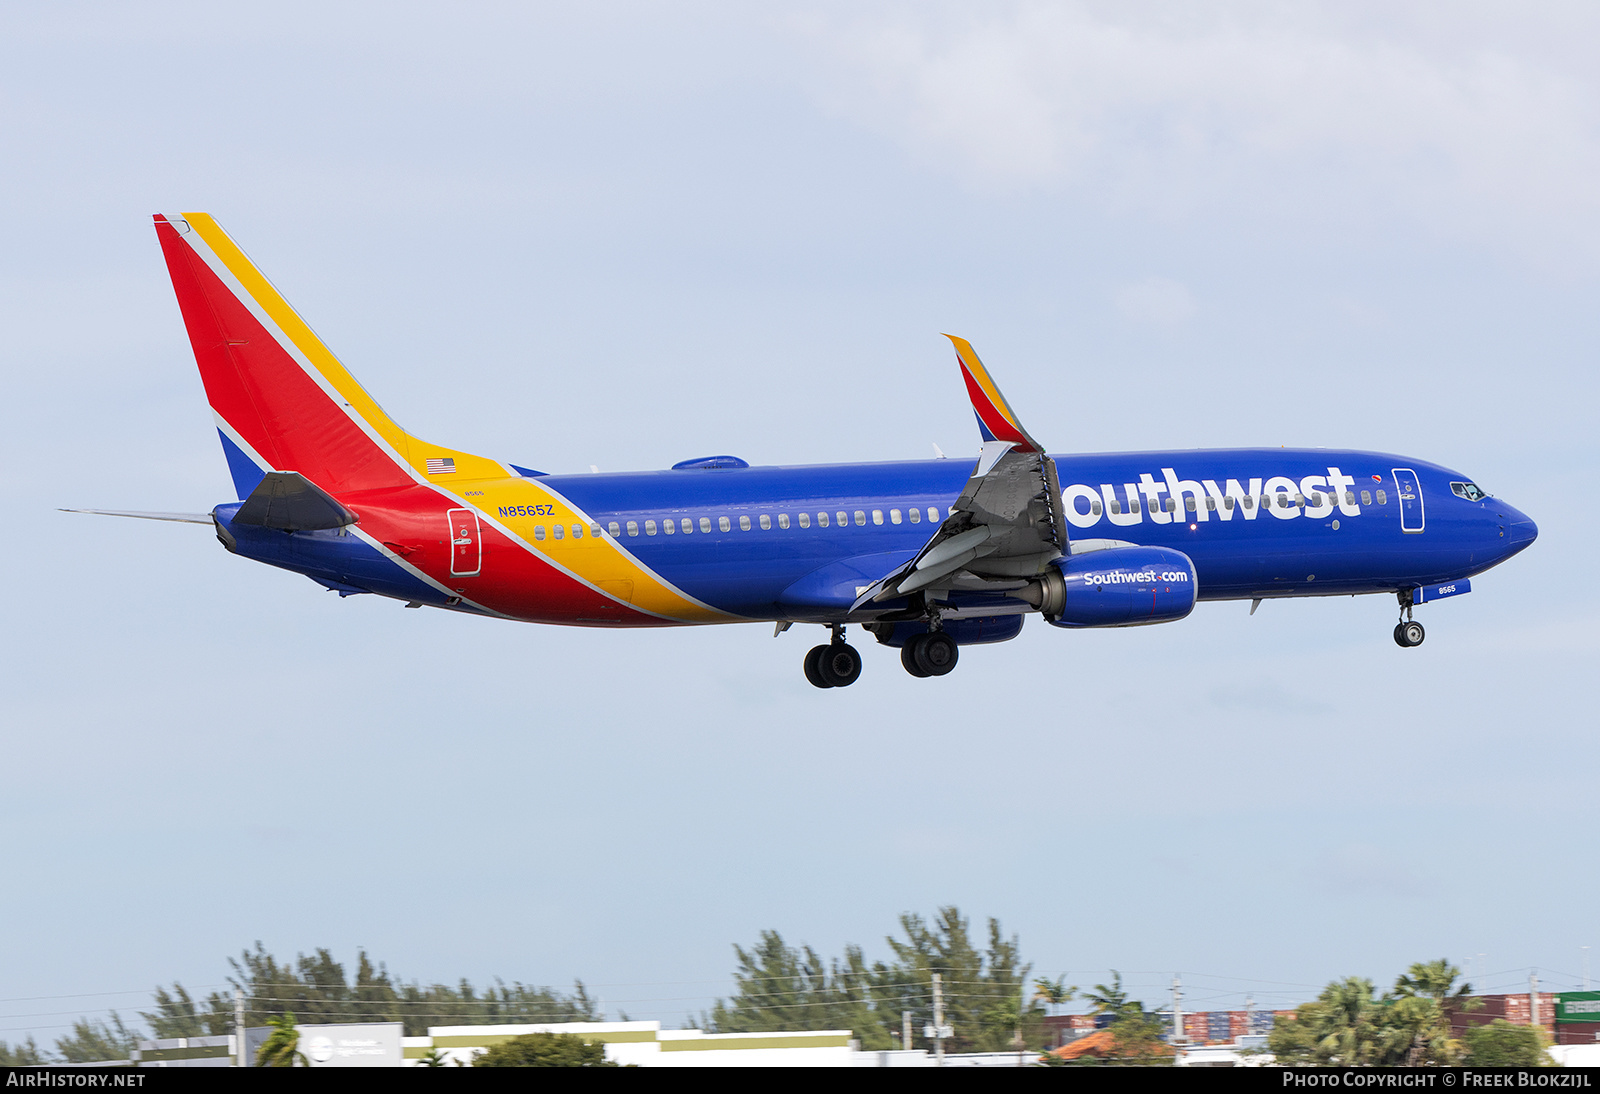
(628, 234)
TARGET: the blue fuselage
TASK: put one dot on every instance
(1256, 522)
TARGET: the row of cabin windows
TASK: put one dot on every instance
(860, 516)
(843, 518)
(1317, 500)
(765, 521)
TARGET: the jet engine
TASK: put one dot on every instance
(1117, 587)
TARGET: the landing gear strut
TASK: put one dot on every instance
(1408, 632)
(836, 665)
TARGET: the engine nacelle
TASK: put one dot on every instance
(1118, 587)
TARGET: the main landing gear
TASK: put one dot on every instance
(931, 654)
(1408, 632)
(836, 665)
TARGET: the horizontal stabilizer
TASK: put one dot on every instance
(180, 518)
(290, 502)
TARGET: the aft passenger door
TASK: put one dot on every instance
(1409, 494)
(466, 544)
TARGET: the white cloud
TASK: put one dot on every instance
(1472, 122)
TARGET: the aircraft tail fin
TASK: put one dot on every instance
(282, 401)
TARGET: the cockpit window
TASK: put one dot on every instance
(1467, 490)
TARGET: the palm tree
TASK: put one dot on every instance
(1109, 1000)
(282, 1046)
(1053, 993)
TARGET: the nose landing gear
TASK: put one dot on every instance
(1408, 632)
(836, 665)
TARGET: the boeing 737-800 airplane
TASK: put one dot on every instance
(927, 556)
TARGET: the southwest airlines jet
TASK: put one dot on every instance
(926, 556)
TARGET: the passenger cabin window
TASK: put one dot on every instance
(805, 520)
(1366, 497)
(1211, 505)
(669, 527)
(894, 516)
(877, 516)
(861, 519)
(633, 528)
(766, 523)
(723, 524)
(1249, 501)
(1133, 505)
(558, 531)
(744, 524)
(577, 531)
(705, 524)
(1383, 499)
(915, 515)
(1116, 506)
(933, 514)
(844, 518)
(783, 520)
(822, 520)
(616, 529)
(688, 525)
(1227, 502)
(1094, 508)
(538, 531)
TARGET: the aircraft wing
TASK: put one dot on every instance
(1007, 525)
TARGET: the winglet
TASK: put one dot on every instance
(996, 420)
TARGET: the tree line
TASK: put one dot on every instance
(987, 997)
(783, 987)
(317, 989)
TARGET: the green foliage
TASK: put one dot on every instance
(1053, 993)
(780, 987)
(282, 1046)
(1138, 1034)
(1348, 1026)
(1501, 1044)
(318, 988)
(92, 1041)
(1109, 1000)
(22, 1055)
(545, 1050)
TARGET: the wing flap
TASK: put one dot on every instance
(1007, 525)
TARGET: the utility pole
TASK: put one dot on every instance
(905, 1029)
(1177, 1011)
(938, 1031)
(1249, 1014)
(1533, 999)
(241, 1056)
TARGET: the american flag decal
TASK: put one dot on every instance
(445, 466)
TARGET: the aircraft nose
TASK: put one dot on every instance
(1520, 530)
